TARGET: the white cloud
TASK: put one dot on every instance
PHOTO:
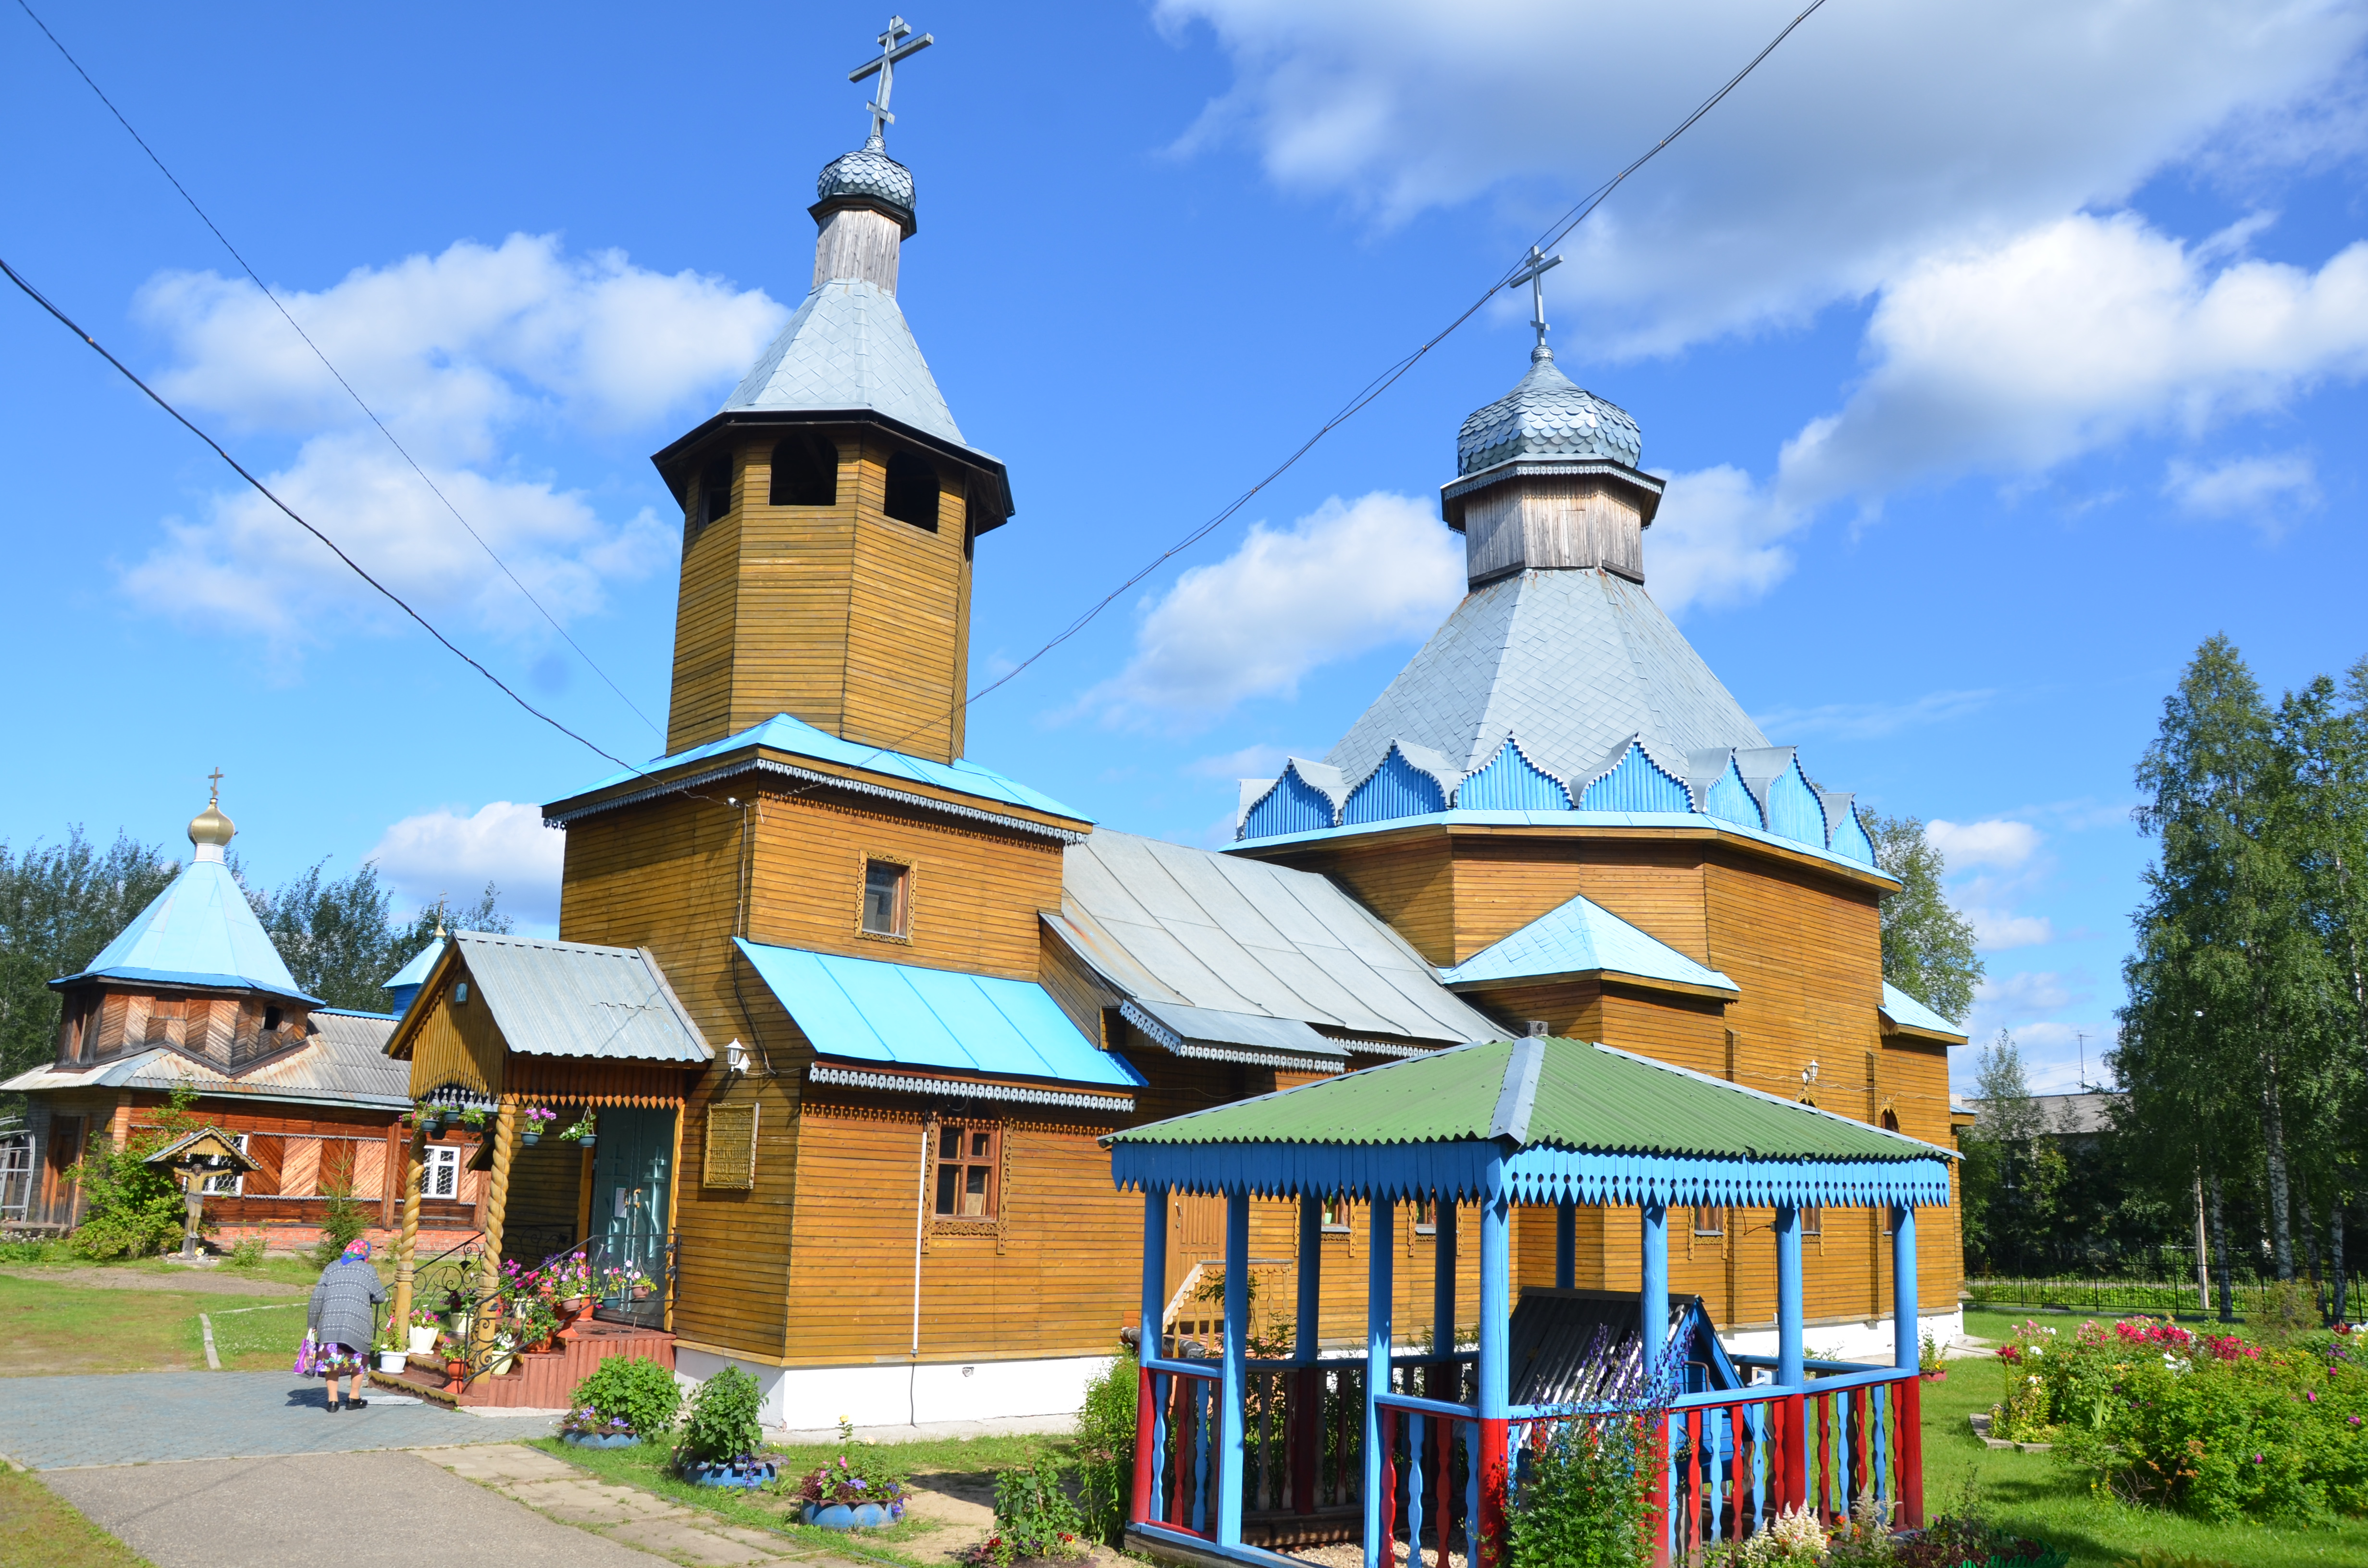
(1998, 931)
(457, 353)
(1878, 135)
(1998, 842)
(1345, 578)
(2261, 491)
(2015, 355)
(1870, 721)
(445, 854)
(1715, 541)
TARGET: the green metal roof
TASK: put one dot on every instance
(1558, 1094)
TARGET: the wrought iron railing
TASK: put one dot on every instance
(481, 1329)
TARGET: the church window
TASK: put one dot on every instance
(1709, 1219)
(1425, 1217)
(439, 1171)
(270, 1019)
(805, 472)
(715, 491)
(885, 903)
(912, 491)
(1335, 1213)
(969, 1154)
(1813, 1219)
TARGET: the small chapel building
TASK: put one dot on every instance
(864, 1007)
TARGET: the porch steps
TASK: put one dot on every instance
(540, 1381)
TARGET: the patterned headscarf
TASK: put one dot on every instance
(356, 1250)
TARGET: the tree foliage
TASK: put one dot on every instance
(1928, 946)
(339, 936)
(60, 905)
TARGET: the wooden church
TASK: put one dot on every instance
(864, 1007)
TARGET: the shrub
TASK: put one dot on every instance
(1581, 1499)
(2288, 1310)
(1106, 1448)
(856, 1476)
(342, 1219)
(630, 1390)
(1033, 1517)
(723, 1425)
(247, 1254)
(2260, 1435)
(129, 1210)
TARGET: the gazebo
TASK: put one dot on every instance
(1527, 1121)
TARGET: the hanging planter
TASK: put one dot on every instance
(536, 1119)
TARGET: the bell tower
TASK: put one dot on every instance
(831, 506)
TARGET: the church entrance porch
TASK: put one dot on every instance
(1420, 1449)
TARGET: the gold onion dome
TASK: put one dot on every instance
(210, 827)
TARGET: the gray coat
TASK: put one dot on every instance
(340, 1312)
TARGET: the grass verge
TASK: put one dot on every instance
(49, 1328)
(2035, 1495)
(40, 1530)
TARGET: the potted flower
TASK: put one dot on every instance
(505, 1354)
(455, 1353)
(390, 1355)
(473, 1117)
(581, 1130)
(423, 1328)
(855, 1491)
(721, 1439)
(536, 1119)
(1929, 1361)
(534, 1322)
(571, 1283)
(627, 1400)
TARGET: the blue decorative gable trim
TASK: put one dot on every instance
(1635, 783)
(1511, 782)
(1730, 801)
(1794, 810)
(1535, 1175)
(1847, 836)
(1395, 789)
(1293, 805)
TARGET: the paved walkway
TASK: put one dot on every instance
(130, 1418)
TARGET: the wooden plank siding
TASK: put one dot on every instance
(838, 614)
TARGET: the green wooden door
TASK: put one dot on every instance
(630, 1174)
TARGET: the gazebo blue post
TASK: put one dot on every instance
(1909, 1412)
(1485, 1537)
(1149, 1344)
(1652, 1324)
(1231, 1393)
(1306, 1402)
(1566, 1244)
(1445, 1381)
(1793, 1487)
(1381, 1249)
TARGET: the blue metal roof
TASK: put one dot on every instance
(1582, 938)
(784, 733)
(1461, 818)
(415, 973)
(868, 1010)
(199, 931)
(1908, 1012)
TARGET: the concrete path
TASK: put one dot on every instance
(354, 1510)
(130, 1418)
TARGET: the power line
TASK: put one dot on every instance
(391, 596)
(1392, 374)
(490, 553)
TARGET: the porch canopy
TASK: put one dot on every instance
(1537, 1122)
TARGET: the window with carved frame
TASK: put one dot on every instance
(970, 1170)
(1709, 1219)
(1335, 1213)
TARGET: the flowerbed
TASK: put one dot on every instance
(854, 1480)
(2208, 1425)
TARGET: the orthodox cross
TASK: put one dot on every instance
(1534, 273)
(214, 779)
(892, 50)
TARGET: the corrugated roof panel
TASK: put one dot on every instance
(869, 1010)
(553, 998)
(1581, 937)
(1242, 1028)
(344, 1064)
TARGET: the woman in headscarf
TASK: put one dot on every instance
(342, 1321)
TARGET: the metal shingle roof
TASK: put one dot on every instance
(1582, 938)
(848, 347)
(869, 1010)
(1589, 1098)
(344, 1063)
(1573, 663)
(199, 931)
(1547, 415)
(1908, 1012)
(554, 998)
(1166, 923)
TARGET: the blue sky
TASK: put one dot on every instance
(1997, 355)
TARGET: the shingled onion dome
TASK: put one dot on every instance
(210, 832)
(1547, 415)
(867, 177)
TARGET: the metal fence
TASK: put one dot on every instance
(2156, 1295)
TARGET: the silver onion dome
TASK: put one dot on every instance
(869, 174)
(1547, 416)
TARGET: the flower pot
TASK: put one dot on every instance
(641, 1292)
(501, 1364)
(1940, 1375)
(586, 1140)
(529, 1139)
(599, 1439)
(745, 1476)
(391, 1362)
(844, 1516)
(422, 1340)
(574, 1305)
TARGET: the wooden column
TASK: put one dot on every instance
(1149, 1346)
(406, 1245)
(1382, 1246)
(1231, 1389)
(504, 1132)
(1788, 1295)
(389, 1203)
(1907, 1350)
(1565, 1244)
(1485, 1534)
(1652, 1291)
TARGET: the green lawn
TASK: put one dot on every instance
(2033, 1495)
(40, 1530)
(62, 1322)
